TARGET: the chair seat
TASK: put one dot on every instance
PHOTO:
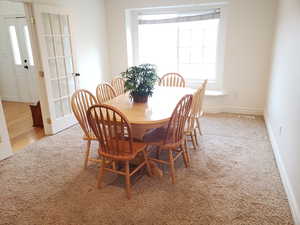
(157, 136)
(125, 155)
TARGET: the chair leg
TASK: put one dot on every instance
(184, 155)
(172, 167)
(147, 163)
(101, 174)
(186, 150)
(193, 141)
(127, 178)
(87, 153)
(198, 126)
(196, 139)
(158, 152)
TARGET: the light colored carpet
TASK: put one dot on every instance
(233, 180)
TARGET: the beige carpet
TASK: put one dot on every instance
(233, 180)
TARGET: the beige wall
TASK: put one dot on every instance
(249, 36)
(283, 107)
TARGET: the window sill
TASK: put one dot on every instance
(214, 93)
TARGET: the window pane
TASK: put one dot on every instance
(28, 45)
(189, 48)
(15, 45)
(158, 45)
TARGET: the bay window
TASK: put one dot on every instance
(189, 42)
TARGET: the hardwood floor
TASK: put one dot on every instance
(19, 124)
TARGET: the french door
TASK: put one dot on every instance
(53, 26)
(24, 65)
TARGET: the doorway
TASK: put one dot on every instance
(18, 85)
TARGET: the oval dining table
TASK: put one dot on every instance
(156, 112)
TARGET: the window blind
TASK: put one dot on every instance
(206, 15)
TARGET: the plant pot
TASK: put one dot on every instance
(140, 99)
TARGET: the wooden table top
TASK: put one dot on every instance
(157, 110)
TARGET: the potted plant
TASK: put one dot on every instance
(140, 81)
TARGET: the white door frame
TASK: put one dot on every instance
(5, 146)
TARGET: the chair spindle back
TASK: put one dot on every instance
(81, 101)
(109, 126)
(105, 92)
(176, 125)
(118, 84)
(172, 80)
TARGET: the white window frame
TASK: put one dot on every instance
(133, 45)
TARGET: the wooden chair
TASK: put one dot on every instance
(118, 85)
(200, 106)
(191, 126)
(171, 137)
(81, 101)
(109, 126)
(172, 80)
(105, 92)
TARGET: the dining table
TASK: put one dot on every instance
(154, 113)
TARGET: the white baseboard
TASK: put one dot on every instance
(10, 98)
(232, 109)
(283, 174)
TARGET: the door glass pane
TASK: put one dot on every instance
(61, 67)
(50, 47)
(71, 83)
(58, 109)
(55, 89)
(58, 46)
(69, 65)
(55, 24)
(52, 66)
(67, 46)
(64, 25)
(46, 20)
(66, 106)
(64, 87)
(15, 45)
(28, 45)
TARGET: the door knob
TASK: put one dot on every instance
(76, 74)
(26, 67)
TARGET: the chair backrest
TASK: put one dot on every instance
(196, 108)
(81, 101)
(202, 97)
(176, 125)
(118, 84)
(109, 126)
(105, 92)
(172, 80)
